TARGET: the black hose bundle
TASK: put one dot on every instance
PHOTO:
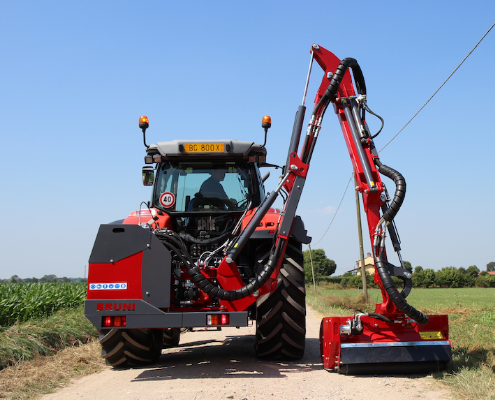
(173, 243)
(380, 261)
(395, 296)
(192, 239)
(321, 107)
(334, 84)
(400, 190)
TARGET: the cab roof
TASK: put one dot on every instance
(201, 148)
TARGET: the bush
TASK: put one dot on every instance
(323, 266)
(331, 279)
(485, 281)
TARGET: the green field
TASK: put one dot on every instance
(21, 302)
(40, 319)
(471, 311)
(434, 300)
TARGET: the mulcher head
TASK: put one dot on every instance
(365, 345)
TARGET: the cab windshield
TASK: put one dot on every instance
(205, 186)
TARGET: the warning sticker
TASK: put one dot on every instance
(107, 286)
(431, 335)
(167, 199)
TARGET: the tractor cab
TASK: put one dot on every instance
(205, 187)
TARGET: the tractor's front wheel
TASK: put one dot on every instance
(122, 348)
(281, 314)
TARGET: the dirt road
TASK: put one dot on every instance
(222, 365)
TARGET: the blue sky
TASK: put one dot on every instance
(76, 76)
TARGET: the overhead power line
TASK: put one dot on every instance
(334, 215)
(436, 91)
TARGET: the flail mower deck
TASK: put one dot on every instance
(384, 347)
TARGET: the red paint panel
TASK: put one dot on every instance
(268, 223)
(163, 220)
(126, 271)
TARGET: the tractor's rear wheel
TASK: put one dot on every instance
(281, 314)
(122, 348)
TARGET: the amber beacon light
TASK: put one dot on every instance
(266, 122)
(144, 124)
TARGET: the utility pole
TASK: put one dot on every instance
(312, 267)
(360, 234)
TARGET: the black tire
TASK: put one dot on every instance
(281, 314)
(122, 348)
(171, 337)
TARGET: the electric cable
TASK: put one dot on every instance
(337, 210)
(433, 95)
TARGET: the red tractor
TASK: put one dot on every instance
(210, 251)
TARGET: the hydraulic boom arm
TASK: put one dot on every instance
(337, 88)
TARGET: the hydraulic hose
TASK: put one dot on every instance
(380, 261)
(337, 77)
(395, 296)
(192, 239)
(174, 244)
(321, 107)
(380, 317)
(400, 190)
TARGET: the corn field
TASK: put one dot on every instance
(20, 302)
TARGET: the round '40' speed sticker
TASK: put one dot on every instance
(167, 199)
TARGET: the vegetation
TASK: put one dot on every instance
(40, 319)
(323, 266)
(30, 379)
(447, 277)
(20, 302)
(27, 340)
(45, 279)
(471, 314)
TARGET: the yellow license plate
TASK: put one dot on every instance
(431, 335)
(204, 148)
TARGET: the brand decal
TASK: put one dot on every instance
(206, 224)
(115, 306)
(107, 286)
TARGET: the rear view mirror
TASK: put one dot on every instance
(148, 176)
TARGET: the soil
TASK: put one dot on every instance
(212, 364)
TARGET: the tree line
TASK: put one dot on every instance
(44, 279)
(447, 277)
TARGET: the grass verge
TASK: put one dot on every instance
(471, 374)
(31, 379)
(28, 340)
(40, 356)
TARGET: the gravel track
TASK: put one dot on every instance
(222, 365)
